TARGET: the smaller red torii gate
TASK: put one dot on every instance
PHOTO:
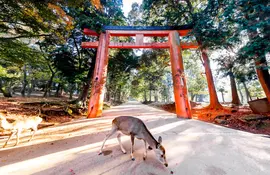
(182, 105)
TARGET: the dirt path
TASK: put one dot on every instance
(193, 147)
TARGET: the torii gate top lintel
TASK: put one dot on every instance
(148, 30)
(140, 32)
(174, 45)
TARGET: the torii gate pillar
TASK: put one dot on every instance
(99, 78)
(179, 82)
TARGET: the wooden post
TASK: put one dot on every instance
(99, 77)
(179, 82)
(139, 39)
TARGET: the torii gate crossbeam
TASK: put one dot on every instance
(183, 109)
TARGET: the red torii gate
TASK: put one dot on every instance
(182, 105)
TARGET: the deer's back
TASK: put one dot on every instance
(129, 125)
(27, 123)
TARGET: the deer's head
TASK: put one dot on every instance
(160, 152)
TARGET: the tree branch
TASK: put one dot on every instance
(24, 36)
(190, 7)
(78, 51)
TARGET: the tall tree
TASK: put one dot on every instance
(228, 66)
(78, 63)
(253, 18)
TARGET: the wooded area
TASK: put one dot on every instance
(41, 53)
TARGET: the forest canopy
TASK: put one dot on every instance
(41, 49)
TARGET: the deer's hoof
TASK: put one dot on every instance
(99, 153)
(125, 152)
(144, 158)
(133, 159)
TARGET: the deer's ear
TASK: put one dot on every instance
(159, 140)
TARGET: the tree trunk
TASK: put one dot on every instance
(4, 92)
(195, 98)
(263, 76)
(241, 95)
(107, 94)
(24, 83)
(70, 94)
(222, 94)
(192, 96)
(71, 91)
(210, 81)
(145, 96)
(51, 88)
(247, 92)
(85, 89)
(235, 97)
(57, 92)
(48, 85)
(119, 93)
(31, 87)
(150, 95)
(156, 96)
(261, 65)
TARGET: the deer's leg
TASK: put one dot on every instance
(120, 143)
(113, 130)
(33, 133)
(145, 150)
(11, 135)
(18, 137)
(132, 144)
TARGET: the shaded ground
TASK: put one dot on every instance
(53, 110)
(241, 118)
(192, 147)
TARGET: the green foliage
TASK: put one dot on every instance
(87, 16)
(9, 72)
(196, 80)
(44, 37)
(252, 17)
(151, 73)
(17, 52)
(76, 64)
(134, 16)
(255, 89)
(121, 64)
(29, 18)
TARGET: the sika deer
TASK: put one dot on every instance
(136, 128)
(19, 125)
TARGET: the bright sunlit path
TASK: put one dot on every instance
(73, 148)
